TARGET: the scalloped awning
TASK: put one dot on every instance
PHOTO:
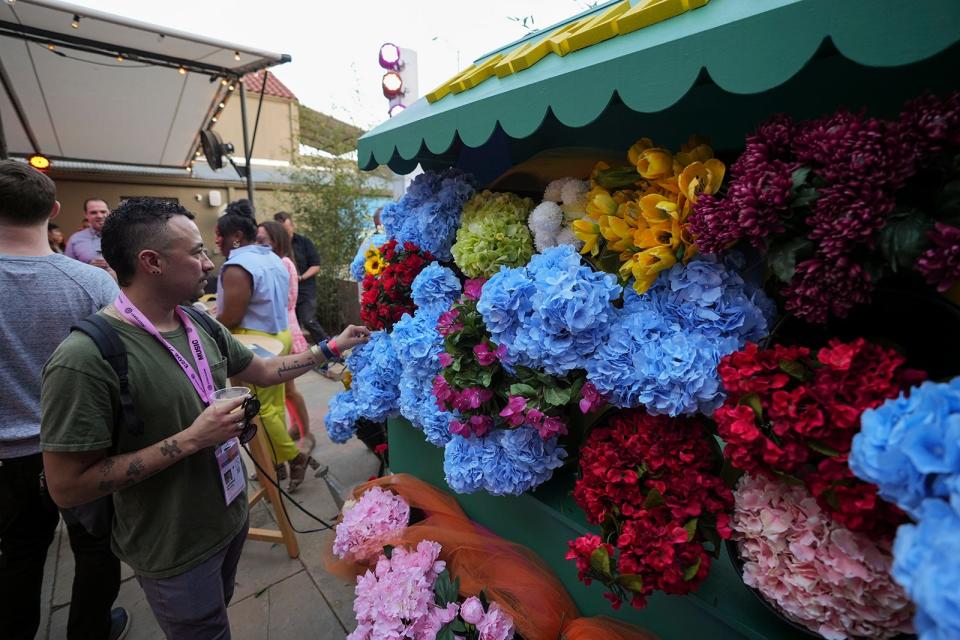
(745, 47)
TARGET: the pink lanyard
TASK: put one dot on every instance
(205, 386)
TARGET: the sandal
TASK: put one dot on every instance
(298, 470)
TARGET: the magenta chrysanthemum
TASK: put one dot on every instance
(821, 288)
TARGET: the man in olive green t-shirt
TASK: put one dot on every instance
(173, 522)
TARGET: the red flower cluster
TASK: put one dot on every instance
(386, 296)
(651, 483)
(787, 413)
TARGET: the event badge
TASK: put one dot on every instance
(231, 469)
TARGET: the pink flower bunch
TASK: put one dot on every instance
(492, 624)
(816, 572)
(519, 412)
(396, 599)
(590, 398)
(369, 522)
(473, 287)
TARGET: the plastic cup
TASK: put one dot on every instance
(229, 394)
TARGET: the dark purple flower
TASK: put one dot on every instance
(822, 287)
(940, 264)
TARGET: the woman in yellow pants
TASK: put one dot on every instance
(252, 299)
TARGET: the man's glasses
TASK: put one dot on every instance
(251, 409)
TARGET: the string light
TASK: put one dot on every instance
(51, 47)
(183, 71)
(214, 118)
(230, 88)
(76, 22)
(223, 82)
(120, 57)
(236, 56)
(221, 105)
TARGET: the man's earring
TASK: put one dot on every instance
(236, 244)
(156, 272)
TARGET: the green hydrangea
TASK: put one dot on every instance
(493, 232)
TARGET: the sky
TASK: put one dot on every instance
(334, 45)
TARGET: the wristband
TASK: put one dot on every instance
(327, 353)
(332, 344)
(317, 354)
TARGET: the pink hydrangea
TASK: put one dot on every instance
(396, 599)
(815, 571)
(369, 522)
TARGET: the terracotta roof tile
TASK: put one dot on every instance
(253, 82)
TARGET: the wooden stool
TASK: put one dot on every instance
(266, 476)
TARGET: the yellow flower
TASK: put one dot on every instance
(371, 252)
(701, 177)
(639, 147)
(654, 164)
(657, 208)
(346, 378)
(700, 153)
(646, 265)
(600, 203)
(618, 232)
(588, 230)
(373, 265)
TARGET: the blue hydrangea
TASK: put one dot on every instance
(648, 361)
(559, 308)
(706, 297)
(504, 462)
(376, 371)
(357, 270)
(418, 345)
(428, 214)
(910, 446)
(436, 287)
(341, 418)
(924, 563)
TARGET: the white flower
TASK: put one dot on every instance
(544, 240)
(566, 237)
(553, 190)
(546, 217)
(574, 192)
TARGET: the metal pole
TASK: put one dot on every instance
(246, 142)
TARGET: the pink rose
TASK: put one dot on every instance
(472, 610)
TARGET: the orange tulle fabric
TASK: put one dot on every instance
(509, 574)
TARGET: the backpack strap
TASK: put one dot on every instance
(209, 325)
(111, 348)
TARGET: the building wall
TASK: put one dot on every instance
(72, 190)
(277, 134)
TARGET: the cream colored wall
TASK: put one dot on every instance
(71, 192)
(278, 130)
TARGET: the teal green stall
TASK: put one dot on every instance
(717, 70)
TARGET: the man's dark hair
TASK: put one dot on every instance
(89, 200)
(52, 225)
(26, 195)
(137, 224)
(238, 217)
(282, 216)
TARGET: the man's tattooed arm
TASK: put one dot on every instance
(121, 471)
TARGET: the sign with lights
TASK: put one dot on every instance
(399, 83)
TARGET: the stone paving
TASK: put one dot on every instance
(276, 596)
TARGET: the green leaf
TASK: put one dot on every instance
(486, 377)
(521, 389)
(691, 571)
(904, 238)
(793, 369)
(446, 590)
(630, 582)
(805, 197)
(783, 258)
(600, 561)
(799, 176)
(556, 397)
(617, 177)
(948, 203)
(458, 626)
(446, 633)
(752, 400)
(690, 528)
(654, 499)
(388, 551)
(819, 447)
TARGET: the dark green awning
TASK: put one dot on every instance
(739, 47)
